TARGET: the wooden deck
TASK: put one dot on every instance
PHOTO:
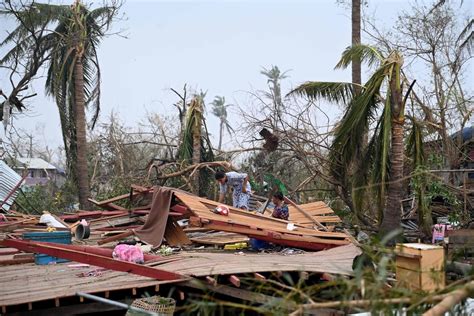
(28, 283)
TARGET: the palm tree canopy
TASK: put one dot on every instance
(362, 111)
(60, 34)
(219, 109)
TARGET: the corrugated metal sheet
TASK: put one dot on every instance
(8, 180)
(34, 163)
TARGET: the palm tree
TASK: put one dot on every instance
(275, 76)
(195, 146)
(383, 157)
(73, 73)
(219, 109)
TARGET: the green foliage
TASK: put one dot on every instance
(63, 34)
(353, 163)
(372, 280)
(337, 92)
(195, 125)
(35, 200)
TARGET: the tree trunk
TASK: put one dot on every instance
(392, 213)
(221, 133)
(81, 163)
(356, 64)
(197, 141)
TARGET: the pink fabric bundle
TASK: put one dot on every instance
(128, 253)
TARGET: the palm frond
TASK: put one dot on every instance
(466, 38)
(348, 135)
(381, 170)
(415, 142)
(336, 92)
(365, 53)
(229, 127)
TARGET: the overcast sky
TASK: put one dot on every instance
(218, 46)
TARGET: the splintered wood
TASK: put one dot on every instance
(264, 227)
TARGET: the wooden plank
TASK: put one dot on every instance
(238, 293)
(174, 234)
(116, 237)
(234, 280)
(219, 238)
(216, 225)
(247, 218)
(97, 260)
(306, 214)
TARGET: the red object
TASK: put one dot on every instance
(64, 252)
(222, 210)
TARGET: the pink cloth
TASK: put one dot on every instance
(438, 232)
(128, 253)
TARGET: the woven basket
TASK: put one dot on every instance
(155, 304)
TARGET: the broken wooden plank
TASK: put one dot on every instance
(174, 234)
(116, 237)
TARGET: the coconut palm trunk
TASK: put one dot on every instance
(356, 62)
(221, 133)
(392, 214)
(197, 141)
(81, 166)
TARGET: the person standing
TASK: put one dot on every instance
(240, 184)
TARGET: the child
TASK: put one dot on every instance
(281, 209)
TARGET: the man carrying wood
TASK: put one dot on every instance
(240, 184)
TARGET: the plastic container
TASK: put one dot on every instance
(257, 244)
(55, 237)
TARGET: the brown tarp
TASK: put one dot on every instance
(153, 230)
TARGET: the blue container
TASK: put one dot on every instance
(257, 244)
(56, 237)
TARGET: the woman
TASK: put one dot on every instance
(281, 209)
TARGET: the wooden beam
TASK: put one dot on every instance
(116, 237)
(238, 293)
(211, 281)
(258, 276)
(100, 261)
(234, 280)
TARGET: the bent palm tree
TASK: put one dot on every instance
(383, 157)
(219, 109)
(73, 73)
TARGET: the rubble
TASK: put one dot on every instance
(173, 226)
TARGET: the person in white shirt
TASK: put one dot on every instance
(240, 184)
